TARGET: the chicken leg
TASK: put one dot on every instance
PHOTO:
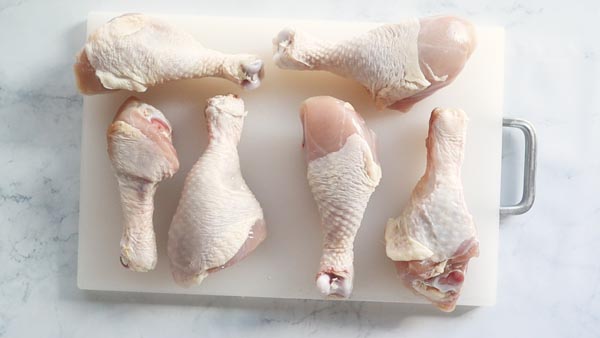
(218, 220)
(434, 238)
(141, 151)
(343, 172)
(134, 52)
(399, 64)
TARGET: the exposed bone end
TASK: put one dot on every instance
(85, 76)
(286, 51)
(252, 74)
(334, 285)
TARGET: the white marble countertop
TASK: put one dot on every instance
(549, 280)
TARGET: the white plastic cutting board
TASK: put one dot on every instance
(284, 266)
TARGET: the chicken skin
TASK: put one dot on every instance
(141, 151)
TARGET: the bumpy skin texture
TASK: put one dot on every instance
(218, 220)
(434, 238)
(342, 174)
(134, 52)
(399, 64)
(141, 151)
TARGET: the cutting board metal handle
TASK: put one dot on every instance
(529, 167)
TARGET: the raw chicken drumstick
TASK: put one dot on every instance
(343, 172)
(134, 52)
(218, 220)
(434, 237)
(142, 155)
(399, 64)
